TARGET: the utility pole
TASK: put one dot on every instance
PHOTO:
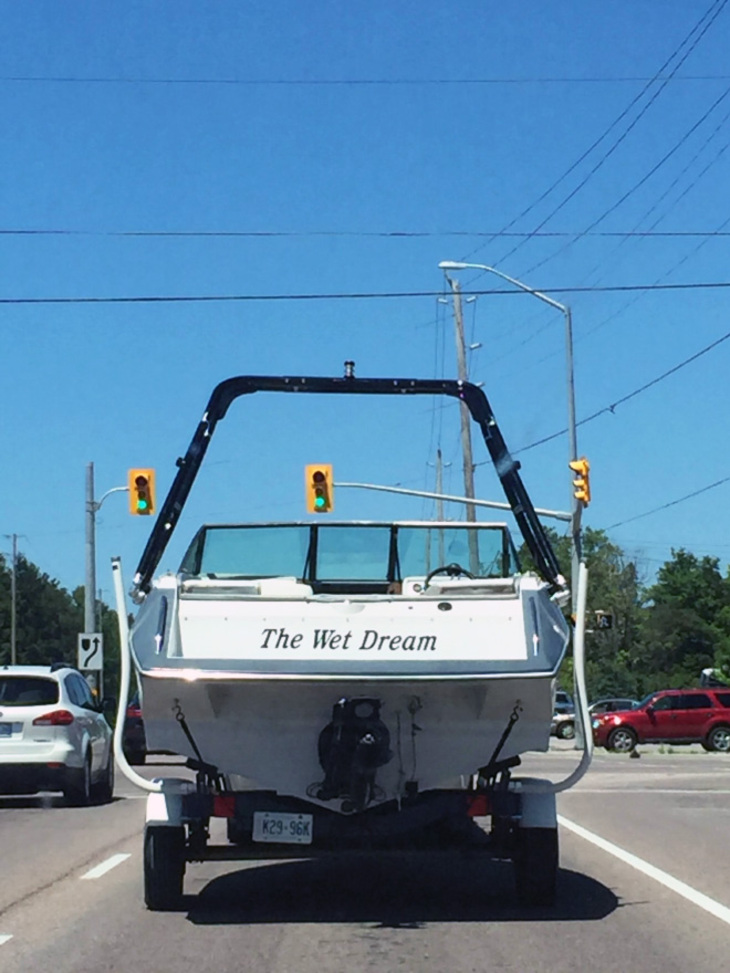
(90, 582)
(439, 502)
(471, 513)
(91, 615)
(13, 602)
(90, 576)
(13, 538)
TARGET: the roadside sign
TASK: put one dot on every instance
(90, 650)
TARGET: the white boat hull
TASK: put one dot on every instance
(267, 730)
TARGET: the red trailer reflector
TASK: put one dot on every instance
(224, 806)
(479, 805)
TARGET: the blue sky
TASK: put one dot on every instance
(331, 127)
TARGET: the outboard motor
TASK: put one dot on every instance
(351, 748)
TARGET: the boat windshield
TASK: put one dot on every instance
(349, 552)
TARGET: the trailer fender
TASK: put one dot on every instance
(537, 810)
(165, 807)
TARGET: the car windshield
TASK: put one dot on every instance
(646, 700)
(27, 691)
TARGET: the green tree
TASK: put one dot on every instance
(47, 618)
(686, 623)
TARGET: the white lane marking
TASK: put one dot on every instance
(98, 870)
(653, 790)
(664, 878)
(5, 937)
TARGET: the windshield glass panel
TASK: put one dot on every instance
(353, 553)
(421, 549)
(348, 552)
(254, 552)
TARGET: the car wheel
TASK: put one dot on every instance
(164, 867)
(719, 739)
(535, 861)
(622, 740)
(78, 789)
(105, 788)
(565, 731)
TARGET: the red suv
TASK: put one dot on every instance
(671, 716)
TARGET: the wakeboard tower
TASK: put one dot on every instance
(350, 685)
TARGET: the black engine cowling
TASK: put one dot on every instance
(351, 748)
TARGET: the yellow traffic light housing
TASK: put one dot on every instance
(318, 483)
(582, 481)
(141, 492)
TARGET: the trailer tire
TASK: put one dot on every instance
(535, 861)
(164, 867)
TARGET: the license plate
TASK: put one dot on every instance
(289, 829)
(6, 729)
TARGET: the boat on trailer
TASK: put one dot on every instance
(357, 685)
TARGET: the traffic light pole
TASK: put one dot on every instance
(91, 507)
(451, 498)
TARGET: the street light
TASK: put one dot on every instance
(572, 438)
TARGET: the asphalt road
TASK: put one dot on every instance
(644, 885)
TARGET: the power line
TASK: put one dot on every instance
(614, 405)
(629, 192)
(354, 296)
(672, 503)
(66, 231)
(353, 82)
(710, 16)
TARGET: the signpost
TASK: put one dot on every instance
(91, 651)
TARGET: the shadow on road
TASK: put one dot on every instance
(388, 891)
(32, 800)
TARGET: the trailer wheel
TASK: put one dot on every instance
(164, 866)
(535, 861)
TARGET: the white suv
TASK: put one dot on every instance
(53, 735)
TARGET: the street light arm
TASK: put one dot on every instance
(97, 503)
(454, 265)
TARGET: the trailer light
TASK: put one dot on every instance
(479, 806)
(224, 806)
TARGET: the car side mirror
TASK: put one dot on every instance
(649, 710)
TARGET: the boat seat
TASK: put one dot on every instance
(221, 587)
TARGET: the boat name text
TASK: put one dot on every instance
(329, 638)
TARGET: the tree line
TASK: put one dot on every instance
(661, 635)
(48, 620)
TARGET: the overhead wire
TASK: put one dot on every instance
(407, 234)
(345, 82)
(629, 192)
(672, 503)
(710, 16)
(352, 296)
(625, 398)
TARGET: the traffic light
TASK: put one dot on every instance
(604, 620)
(318, 482)
(141, 492)
(582, 482)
